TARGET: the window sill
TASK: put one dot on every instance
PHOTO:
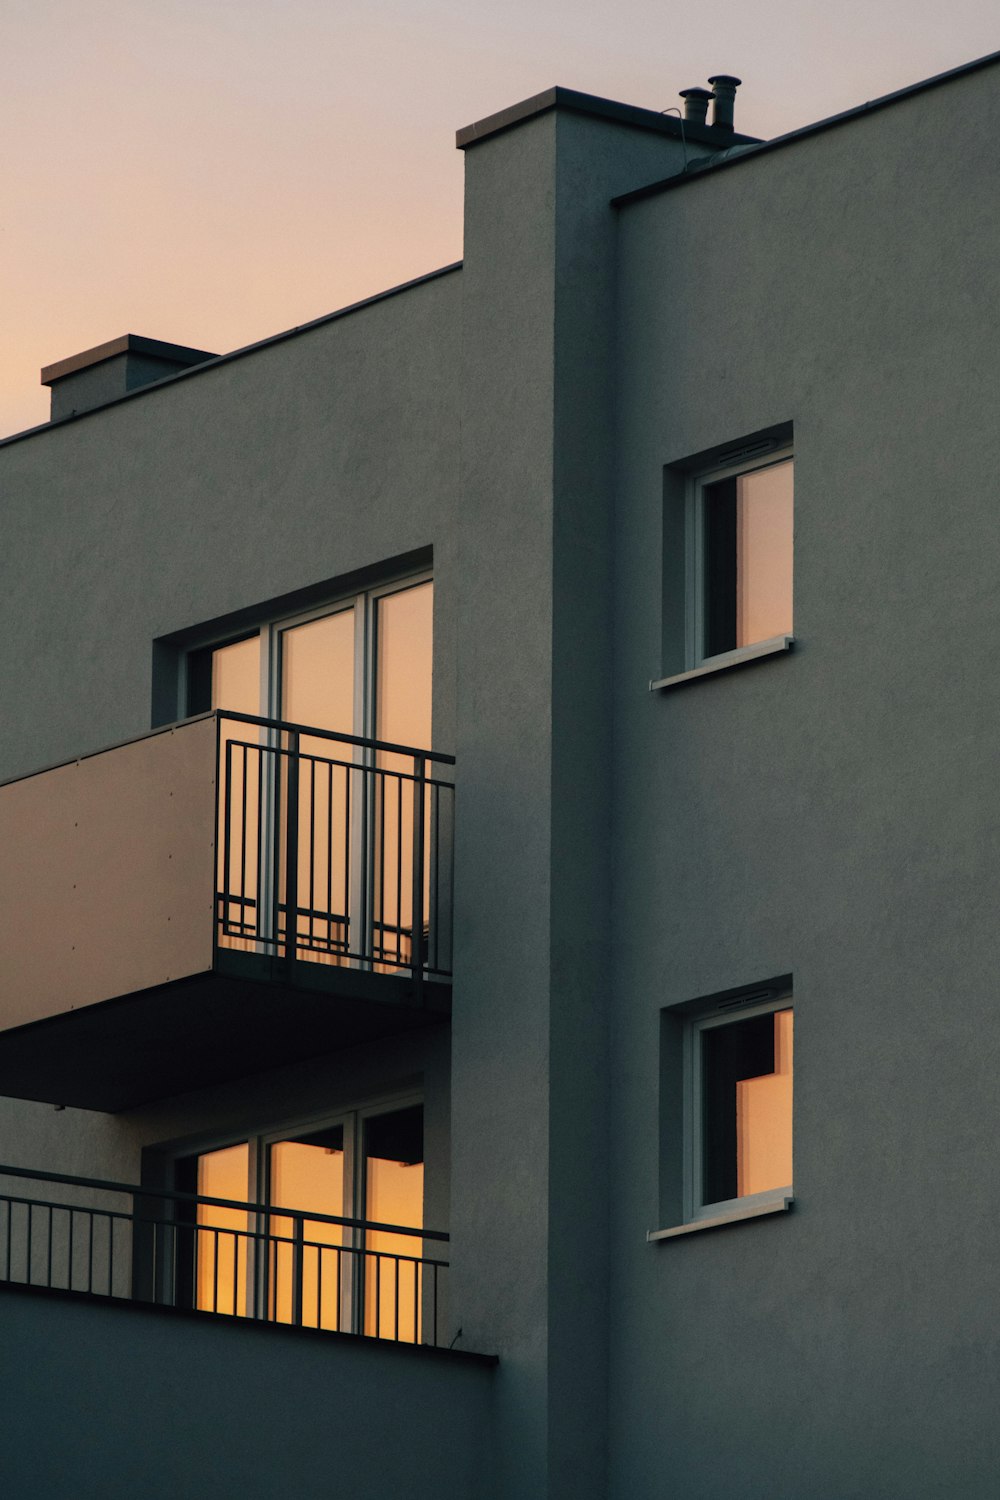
(731, 1216)
(725, 660)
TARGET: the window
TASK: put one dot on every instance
(728, 531)
(363, 1164)
(742, 535)
(726, 1107)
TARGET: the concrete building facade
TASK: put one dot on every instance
(687, 806)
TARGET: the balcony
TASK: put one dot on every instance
(190, 1252)
(226, 895)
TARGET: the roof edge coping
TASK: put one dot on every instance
(605, 109)
(128, 343)
(753, 149)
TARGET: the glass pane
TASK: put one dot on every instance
(317, 673)
(764, 553)
(404, 635)
(317, 689)
(394, 1194)
(236, 686)
(403, 673)
(307, 1172)
(764, 1119)
(747, 1106)
(222, 1233)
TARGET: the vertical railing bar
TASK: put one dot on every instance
(329, 856)
(379, 923)
(417, 1268)
(378, 1294)
(260, 853)
(435, 1326)
(48, 1252)
(111, 1251)
(72, 1221)
(10, 1210)
(396, 1318)
(291, 849)
(312, 850)
(419, 813)
(340, 1282)
(227, 838)
(276, 776)
(28, 1262)
(243, 843)
(90, 1252)
(319, 1286)
(298, 1268)
(215, 1271)
(348, 782)
(433, 954)
(399, 874)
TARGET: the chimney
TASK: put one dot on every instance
(696, 102)
(724, 86)
(97, 376)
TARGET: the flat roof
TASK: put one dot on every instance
(604, 109)
(751, 151)
(128, 343)
(212, 361)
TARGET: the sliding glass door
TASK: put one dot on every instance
(286, 1263)
(319, 833)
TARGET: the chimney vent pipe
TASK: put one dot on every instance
(724, 86)
(696, 102)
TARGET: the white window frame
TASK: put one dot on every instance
(696, 585)
(695, 1209)
(270, 626)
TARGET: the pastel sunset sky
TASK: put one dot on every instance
(213, 171)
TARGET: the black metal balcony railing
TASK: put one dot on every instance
(333, 848)
(246, 1260)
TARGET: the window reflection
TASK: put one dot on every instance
(394, 1194)
(236, 686)
(747, 531)
(317, 688)
(404, 657)
(222, 1248)
(303, 1270)
(307, 1172)
(747, 1106)
(764, 554)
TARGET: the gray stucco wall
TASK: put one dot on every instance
(832, 813)
(256, 1412)
(306, 462)
(315, 462)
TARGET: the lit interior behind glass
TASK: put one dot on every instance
(221, 1258)
(307, 1173)
(764, 554)
(747, 1106)
(394, 1194)
(236, 686)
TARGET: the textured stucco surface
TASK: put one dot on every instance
(832, 813)
(260, 1412)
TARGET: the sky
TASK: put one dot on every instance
(210, 172)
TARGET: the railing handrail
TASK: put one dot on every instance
(344, 764)
(290, 727)
(274, 1210)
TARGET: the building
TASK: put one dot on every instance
(539, 999)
